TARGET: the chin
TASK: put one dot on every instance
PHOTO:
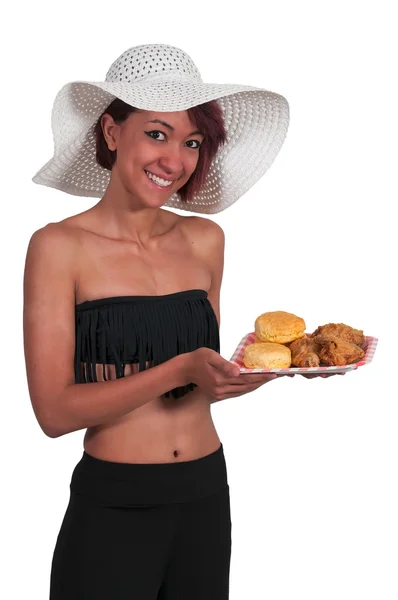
(154, 202)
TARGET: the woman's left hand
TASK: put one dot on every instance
(312, 375)
(244, 383)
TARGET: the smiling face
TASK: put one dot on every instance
(157, 152)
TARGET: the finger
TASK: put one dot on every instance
(249, 375)
(259, 379)
(234, 391)
(323, 375)
(223, 367)
(247, 380)
(240, 387)
(256, 377)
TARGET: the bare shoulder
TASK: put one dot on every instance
(53, 236)
(206, 236)
(50, 258)
(208, 241)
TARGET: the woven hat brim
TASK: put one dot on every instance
(256, 121)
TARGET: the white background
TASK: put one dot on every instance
(312, 464)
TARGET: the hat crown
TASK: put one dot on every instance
(150, 62)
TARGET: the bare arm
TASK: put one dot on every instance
(60, 405)
(83, 405)
(210, 246)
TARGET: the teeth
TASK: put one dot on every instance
(158, 180)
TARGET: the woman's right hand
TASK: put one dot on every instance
(218, 377)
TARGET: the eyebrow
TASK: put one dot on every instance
(172, 128)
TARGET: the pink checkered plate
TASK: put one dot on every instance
(237, 359)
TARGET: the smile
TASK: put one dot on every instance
(163, 183)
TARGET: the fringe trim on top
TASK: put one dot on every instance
(123, 330)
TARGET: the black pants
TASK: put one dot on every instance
(145, 532)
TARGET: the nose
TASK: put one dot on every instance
(171, 161)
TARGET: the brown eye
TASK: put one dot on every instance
(198, 144)
(155, 135)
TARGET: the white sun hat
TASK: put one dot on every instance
(163, 78)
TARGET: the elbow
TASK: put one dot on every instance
(50, 418)
(55, 430)
(51, 431)
(54, 433)
(50, 426)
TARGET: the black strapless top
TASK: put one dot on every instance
(124, 330)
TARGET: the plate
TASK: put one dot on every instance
(237, 358)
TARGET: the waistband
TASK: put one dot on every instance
(123, 484)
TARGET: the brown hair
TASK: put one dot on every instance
(207, 117)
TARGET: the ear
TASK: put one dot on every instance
(110, 130)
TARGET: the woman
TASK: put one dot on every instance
(129, 288)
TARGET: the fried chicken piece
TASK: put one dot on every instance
(344, 332)
(305, 352)
(335, 351)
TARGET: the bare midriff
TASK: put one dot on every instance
(162, 430)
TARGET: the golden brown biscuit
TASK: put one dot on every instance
(267, 355)
(279, 327)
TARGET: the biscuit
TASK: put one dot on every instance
(279, 327)
(267, 355)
